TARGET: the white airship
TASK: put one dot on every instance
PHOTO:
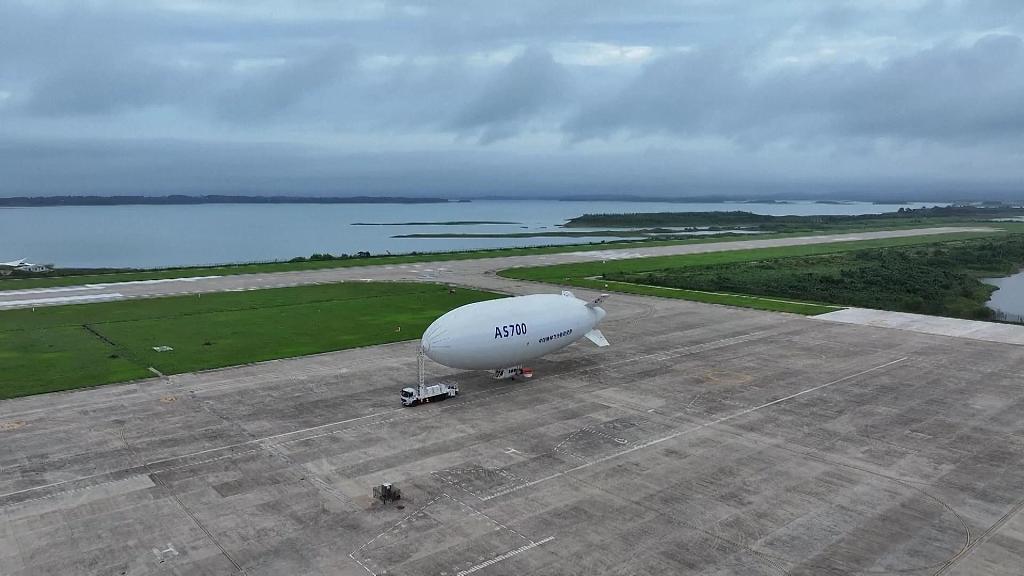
(501, 335)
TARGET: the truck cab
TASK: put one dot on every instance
(408, 396)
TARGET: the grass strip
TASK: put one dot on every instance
(724, 298)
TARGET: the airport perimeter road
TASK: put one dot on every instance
(466, 272)
(704, 440)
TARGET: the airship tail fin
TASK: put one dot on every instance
(597, 337)
(597, 301)
(568, 294)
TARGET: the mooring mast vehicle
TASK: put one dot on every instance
(423, 393)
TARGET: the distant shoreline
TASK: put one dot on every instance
(190, 199)
(183, 200)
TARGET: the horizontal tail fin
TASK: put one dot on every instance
(597, 337)
(598, 300)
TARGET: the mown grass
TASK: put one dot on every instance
(36, 361)
(595, 274)
(707, 297)
(66, 347)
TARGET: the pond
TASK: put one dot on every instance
(1009, 298)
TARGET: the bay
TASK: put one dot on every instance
(156, 236)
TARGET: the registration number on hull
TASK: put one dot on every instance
(510, 330)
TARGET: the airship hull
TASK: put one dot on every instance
(501, 333)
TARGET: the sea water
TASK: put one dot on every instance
(151, 236)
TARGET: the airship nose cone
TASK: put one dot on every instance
(427, 339)
(433, 337)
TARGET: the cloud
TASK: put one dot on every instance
(723, 92)
(524, 88)
(946, 93)
(106, 89)
(261, 90)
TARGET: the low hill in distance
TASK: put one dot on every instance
(739, 218)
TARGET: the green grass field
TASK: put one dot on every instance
(592, 274)
(66, 347)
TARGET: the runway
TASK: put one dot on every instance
(467, 272)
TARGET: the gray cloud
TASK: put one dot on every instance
(946, 93)
(529, 85)
(105, 89)
(272, 88)
(742, 92)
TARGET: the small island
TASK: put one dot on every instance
(448, 223)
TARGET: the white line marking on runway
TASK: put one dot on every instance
(60, 300)
(105, 285)
(154, 281)
(352, 554)
(530, 543)
(693, 429)
(275, 436)
(504, 556)
(46, 290)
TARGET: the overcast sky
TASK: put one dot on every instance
(524, 97)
